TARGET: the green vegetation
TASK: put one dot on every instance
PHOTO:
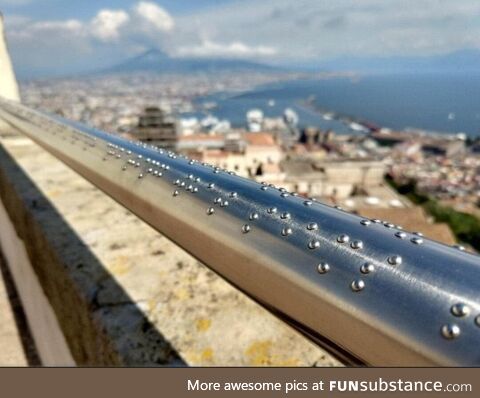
(465, 227)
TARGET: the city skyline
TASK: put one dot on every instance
(93, 35)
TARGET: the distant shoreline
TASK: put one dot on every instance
(429, 104)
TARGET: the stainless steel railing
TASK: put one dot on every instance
(365, 289)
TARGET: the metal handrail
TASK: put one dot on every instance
(365, 289)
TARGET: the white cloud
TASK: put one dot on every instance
(321, 29)
(53, 46)
(275, 30)
(143, 21)
(71, 25)
(13, 20)
(107, 23)
(239, 49)
(154, 16)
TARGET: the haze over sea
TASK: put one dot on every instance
(443, 103)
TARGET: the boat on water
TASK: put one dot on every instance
(357, 127)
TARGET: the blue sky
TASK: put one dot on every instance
(64, 36)
(84, 9)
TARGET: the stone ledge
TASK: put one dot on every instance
(122, 293)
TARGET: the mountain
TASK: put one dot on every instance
(458, 62)
(158, 61)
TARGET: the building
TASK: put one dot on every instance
(200, 142)
(330, 178)
(246, 153)
(156, 127)
(430, 144)
(411, 219)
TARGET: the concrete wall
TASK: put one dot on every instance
(8, 83)
(46, 258)
(48, 336)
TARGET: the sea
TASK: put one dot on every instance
(440, 103)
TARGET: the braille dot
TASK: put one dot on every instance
(356, 244)
(246, 228)
(308, 203)
(124, 167)
(376, 221)
(417, 240)
(217, 200)
(285, 216)
(389, 225)
(365, 222)
(343, 238)
(233, 194)
(263, 188)
(401, 235)
(357, 285)
(195, 190)
(140, 175)
(459, 247)
(477, 320)
(182, 184)
(450, 331)
(284, 194)
(224, 203)
(313, 244)
(197, 179)
(253, 216)
(175, 193)
(282, 189)
(395, 260)
(312, 226)
(211, 185)
(418, 233)
(286, 231)
(367, 268)
(323, 268)
(210, 211)
(460, 309)
(272, 210)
